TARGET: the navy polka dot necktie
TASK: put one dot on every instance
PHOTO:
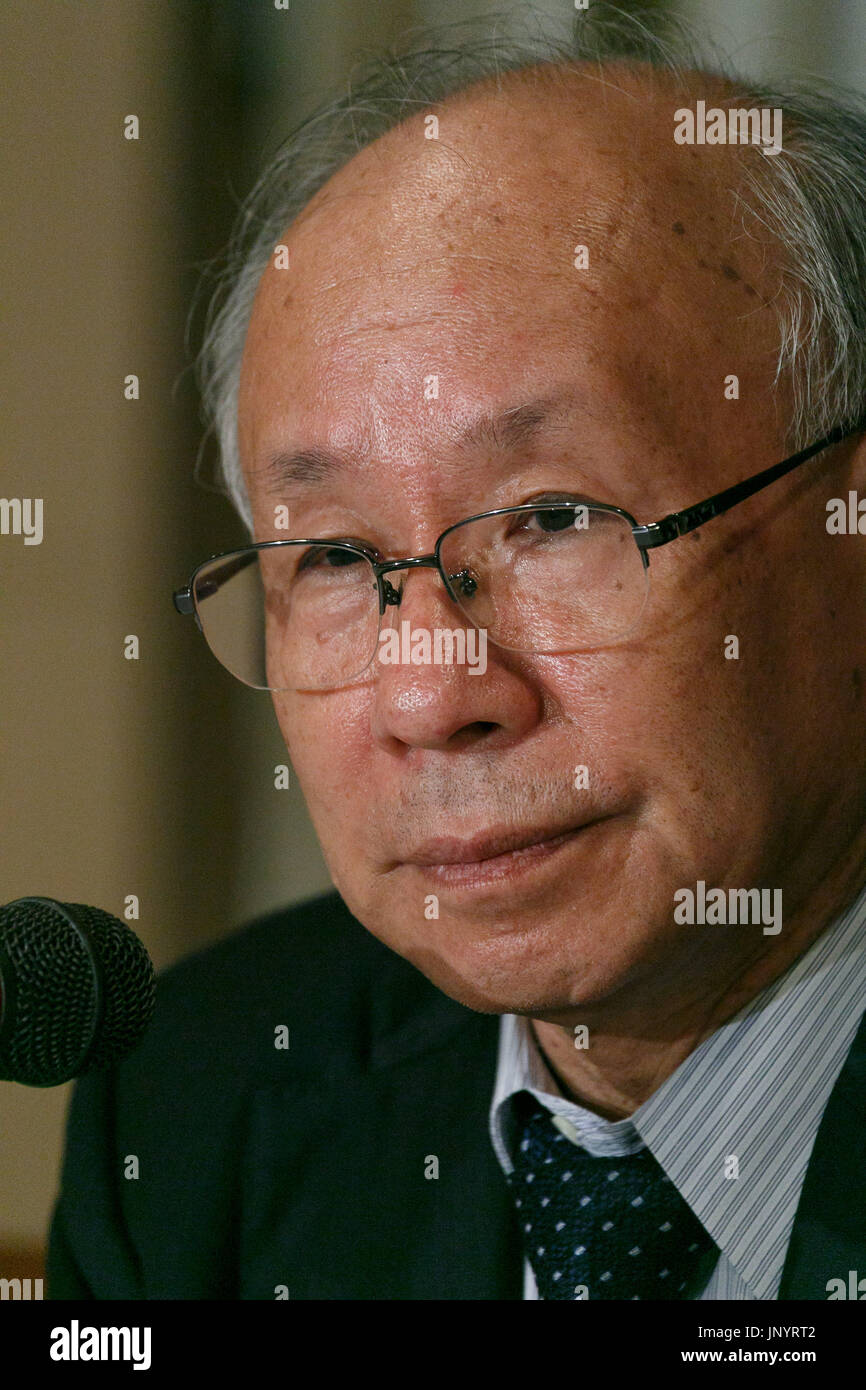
(602, 1227)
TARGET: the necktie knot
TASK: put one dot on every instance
(609, 1228)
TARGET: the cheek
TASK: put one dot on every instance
(669, 718)
(329, 752)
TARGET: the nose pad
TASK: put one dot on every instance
(463, 583)
(430, 606)
(392, 595)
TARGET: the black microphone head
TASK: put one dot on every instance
(77, 990)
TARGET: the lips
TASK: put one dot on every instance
(449, 850)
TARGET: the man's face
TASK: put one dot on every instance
(455, 258)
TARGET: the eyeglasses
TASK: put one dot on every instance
(545, 577)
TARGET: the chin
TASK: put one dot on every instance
(539, 970)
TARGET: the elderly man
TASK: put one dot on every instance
(583, 1020)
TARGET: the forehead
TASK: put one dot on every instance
(520, 167)
(470, 239)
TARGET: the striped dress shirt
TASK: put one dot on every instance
(755, 1090)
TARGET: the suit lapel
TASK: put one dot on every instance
(383, 1183)
(829, 1235)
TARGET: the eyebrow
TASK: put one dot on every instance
(504, 431)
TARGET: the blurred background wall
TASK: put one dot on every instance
(155, 776)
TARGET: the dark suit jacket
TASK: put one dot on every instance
(305, 1167)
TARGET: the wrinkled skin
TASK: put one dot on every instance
(455, 257)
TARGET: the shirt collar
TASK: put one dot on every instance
(747, 1101)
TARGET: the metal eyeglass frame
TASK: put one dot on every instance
(647, 537)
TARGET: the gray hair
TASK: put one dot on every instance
(811, 196)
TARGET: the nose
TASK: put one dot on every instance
(485, 698)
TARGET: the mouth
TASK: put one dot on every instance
(492, 856)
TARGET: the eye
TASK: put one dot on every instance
(548, 520)
(327, 557)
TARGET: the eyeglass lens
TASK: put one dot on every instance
(298, 616)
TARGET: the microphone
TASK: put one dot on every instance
(77, 990)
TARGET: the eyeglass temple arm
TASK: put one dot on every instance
(657, 533)
(183, 599)
(648, 537)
